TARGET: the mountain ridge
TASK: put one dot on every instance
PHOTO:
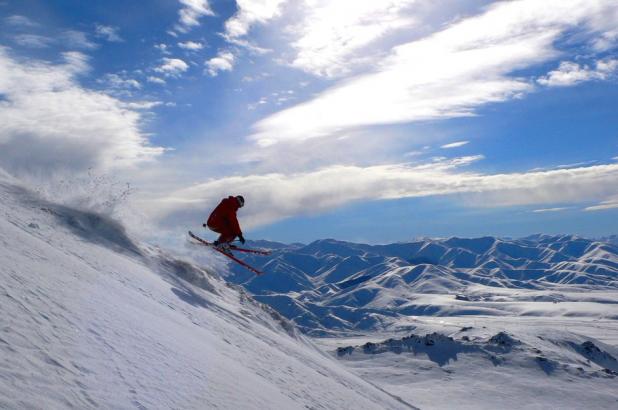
(310, 284)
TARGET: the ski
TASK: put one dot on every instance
(234, 247)
(245, 250)
(229, 255)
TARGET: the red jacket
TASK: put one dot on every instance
(224, 216)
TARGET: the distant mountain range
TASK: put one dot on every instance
(330, 285)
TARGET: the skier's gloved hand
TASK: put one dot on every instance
(241, 239)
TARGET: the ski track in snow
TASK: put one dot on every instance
(92, 320)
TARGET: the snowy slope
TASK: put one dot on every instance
(332, 286)
(92, 319)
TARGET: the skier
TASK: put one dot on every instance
(223, 220)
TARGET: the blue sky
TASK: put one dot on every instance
(371, 121)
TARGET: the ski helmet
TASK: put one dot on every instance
(241, 200)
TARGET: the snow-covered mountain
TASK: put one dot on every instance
(91, 318)
(476, 362)
(331, 285)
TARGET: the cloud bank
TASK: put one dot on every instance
(447, 74)
(49, 122)
(276, 196)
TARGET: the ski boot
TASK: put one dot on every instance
(223, 247)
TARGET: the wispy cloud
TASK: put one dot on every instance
(454, 144)
(577, 164)
(566, 166)
(70, 39)
(249, 13)
(332, 32)
(50, 122)
(447, 74)
(33, 40)
(611, 203)
(545, 210)
(20, 21)
(330, 187)
(119, 83)
(191, 12)
(108, 33)
(76, 39)
(224, 61)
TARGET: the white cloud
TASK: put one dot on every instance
(331, 32)
(251, 12)
(109, 33)
(248, 45)
(172, 67)
(606, 67)
(611, 203)
(49, 122)
(224, 61)
(191, 12)
(191, 45)
(155, 80)
(454, 144)
(545, 210)
(569, 73)
(445, 75)
(331, 187)
(20, 21)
